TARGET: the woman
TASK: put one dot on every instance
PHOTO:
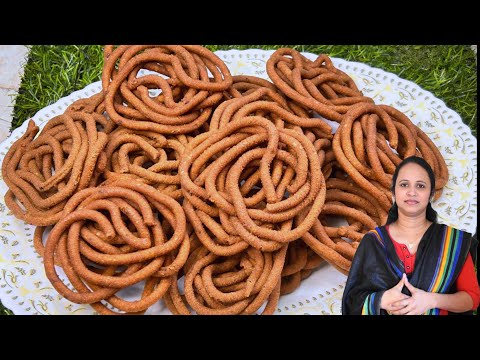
(413, 265)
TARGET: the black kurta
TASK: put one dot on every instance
(376, 267)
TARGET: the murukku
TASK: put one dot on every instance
(181, 73)
(239, 284)
(43, 172)
(213, 193)
(247, 142)
(111, 239)
(317, 85)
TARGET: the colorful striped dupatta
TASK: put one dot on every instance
(376, 267)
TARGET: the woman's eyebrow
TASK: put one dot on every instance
(417, 181)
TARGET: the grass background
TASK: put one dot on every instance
(449, 72)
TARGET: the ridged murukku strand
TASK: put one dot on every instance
(268, 191)
(239, 284)
(44, 172)
(317, 85)
(188, 94)
(218, 182)
(128, 244)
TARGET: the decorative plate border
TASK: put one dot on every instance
(25, 289)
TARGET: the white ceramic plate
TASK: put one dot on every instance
(25, 289)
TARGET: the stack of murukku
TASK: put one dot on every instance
(368, 144)
(187, 94)
(213, 193)
(317, 85)
(147, 155)
(244, 182)
(113, 237)
(42, 173)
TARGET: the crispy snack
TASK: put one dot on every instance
(146, 155)
(177, 171)
(187, 95)
(113, 238)
(239, 284)
(212, 169)
(317, 85)
(43, 172)
(300, 262)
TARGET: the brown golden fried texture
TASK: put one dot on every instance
(43, 172)
(211, 193)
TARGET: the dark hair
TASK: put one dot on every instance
(393, 212)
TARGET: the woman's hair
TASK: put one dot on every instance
(393, 212)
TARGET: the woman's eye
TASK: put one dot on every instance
(403, 185)
(421, 186)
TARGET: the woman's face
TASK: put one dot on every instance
(412, 190)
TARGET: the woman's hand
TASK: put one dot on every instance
(392, 298)
(416, 304)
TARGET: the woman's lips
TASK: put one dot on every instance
(411, 202)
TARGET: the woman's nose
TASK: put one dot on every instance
(412, 191)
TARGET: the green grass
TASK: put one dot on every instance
(449, 72)
(4, 310)
(53, 72)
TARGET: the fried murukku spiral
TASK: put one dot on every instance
(317, 85)
(187, 92)
(112, 239)
(300, 262)
(232, 285)
(213, 193)
(146, 155)
(43, 172)
(230, 188)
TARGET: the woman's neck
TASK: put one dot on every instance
(415, 224)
